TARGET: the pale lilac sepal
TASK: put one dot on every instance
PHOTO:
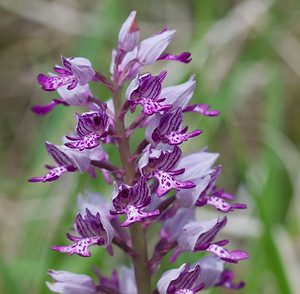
(79, 96)
(71, 283)
(129, 33)
(172, 226)
(197, 164)
(179, 95)
(80, 67)
(127, 281)
(92, 229)
(151, 48)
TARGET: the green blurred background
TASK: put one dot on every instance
(246, 57)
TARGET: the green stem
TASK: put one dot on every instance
(138, 236)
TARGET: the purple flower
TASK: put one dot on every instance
(92, 229)
(91, 128)
(144, 90)
(71, 283)
(163, 169)
(211, 270)
(151, 169)
(79, 96)
(180, 281)
(212, 196)
(69, 160)
(169, 129)
(74, 71)
(198, 236)
(65, 163)
(131, 200)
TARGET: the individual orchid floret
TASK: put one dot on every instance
(129, 34)
(210, 195)
(163, 169)
(73, 71)
(92, 229)
(197, 235)
(127, 281)
(131, 200)
(169, 129)
(79, 96)
(183, 280)
(65, 163)
(71, 283)
(199, 169)
(213, 274)
(91, 127)
(145, 90)
(69, 160)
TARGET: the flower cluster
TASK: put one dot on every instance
(156, 183)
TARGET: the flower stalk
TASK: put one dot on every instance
(137, 233)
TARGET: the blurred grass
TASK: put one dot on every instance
(240, 70)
